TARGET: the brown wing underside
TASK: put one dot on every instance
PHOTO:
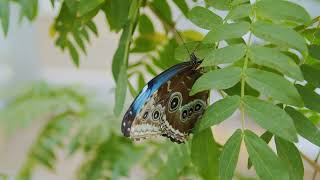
(182, 83)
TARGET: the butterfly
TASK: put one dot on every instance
(164, 106)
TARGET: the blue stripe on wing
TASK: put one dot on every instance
(155, 84)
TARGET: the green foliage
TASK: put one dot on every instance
(272, 80)
(229, 155)
(218, 112)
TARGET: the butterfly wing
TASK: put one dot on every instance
(133, 121)
(181, 111)
(164, 106)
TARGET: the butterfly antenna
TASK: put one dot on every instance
(184, 44)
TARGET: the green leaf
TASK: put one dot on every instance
(183, 6)
(310, 98)
(92, 26)
(229, 54)
(204, 18)
(29, 8)
(117, 13)
(86, 6)
(219, 4)
(304, 126)
(218, 112)
(162, 10)
(141, 82)
(265, 162)
(121, 89)
(145, 25)
(266, 137)
(311, 74)
(314, 51)
(229, 156)
(204, 154)
(273, 85)
(290, 156)
(273, 58)
(4, 15)
(280, 11)
(74, 54)
(270, 117)
(217, 79)
(239, 2)
(239, 12)
(236, 90)
(227, 31)
(144, 43)
(121, 55)
(280, 35)
(200, 50)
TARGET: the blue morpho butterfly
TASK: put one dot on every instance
(164, 106)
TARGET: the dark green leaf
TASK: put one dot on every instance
(151, 70)
(310, 98)
(183, 6)
(240, 12)
(86, 6)
(219, 4)
(218, 112)
(229, 156)
(145, 25)
(79, 41)
(166, 55)
(238, 2)
(162, 10)
(121, 89)
(4, 15)
(265, 162)
(304, 126)
(270, 117)
(116, 13)
(204, 18)
(74, 54)
(141, 82)
(227, 31)
(280, 35)
(204, 154)
(225, 55)
(92, 26)
(266, 137)
(311, 74)
(236, 90)
(314, 51)
(217, 79)
(273, 58)
(273, 85)
(290, 156)
(274, 11)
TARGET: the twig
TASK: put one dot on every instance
(315, 165)
(315, 171)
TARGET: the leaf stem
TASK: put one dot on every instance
(315, 172)
(315, 165)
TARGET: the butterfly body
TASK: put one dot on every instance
(164, 106)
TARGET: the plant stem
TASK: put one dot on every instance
(315, 165)
(315, 171)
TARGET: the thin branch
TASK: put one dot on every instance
(315, 171)
(315, 165)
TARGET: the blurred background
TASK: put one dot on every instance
(28, 55)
